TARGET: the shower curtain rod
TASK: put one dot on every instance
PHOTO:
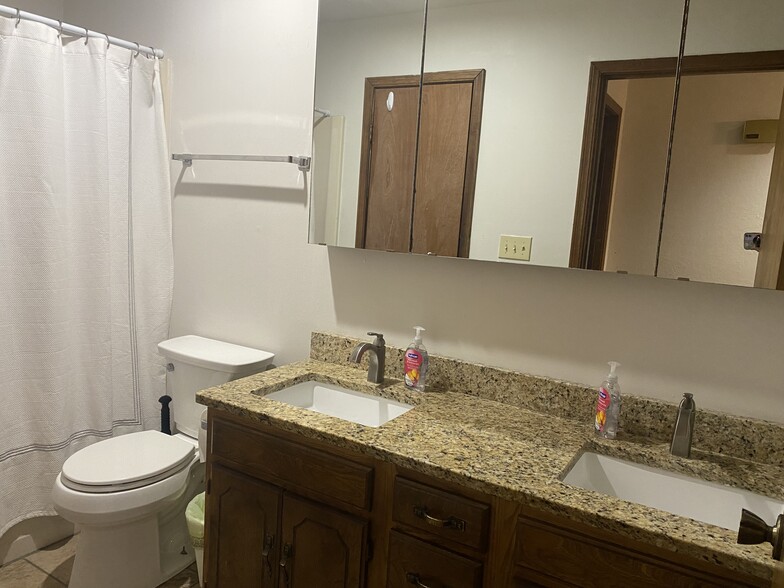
(79, 31)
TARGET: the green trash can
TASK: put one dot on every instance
(194, 515)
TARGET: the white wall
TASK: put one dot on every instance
(48, 8)
(243, 78)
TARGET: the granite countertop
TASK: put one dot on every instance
(513, 453)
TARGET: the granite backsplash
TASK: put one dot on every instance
(715, 432)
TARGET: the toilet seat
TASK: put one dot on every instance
(126, 462)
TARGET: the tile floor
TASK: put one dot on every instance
(50, 567)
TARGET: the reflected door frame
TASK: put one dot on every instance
(600, 74)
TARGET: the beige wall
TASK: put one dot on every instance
(243, 79)
(718, 184)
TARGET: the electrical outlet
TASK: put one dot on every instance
(513, 247)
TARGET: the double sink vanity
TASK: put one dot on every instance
(317, 477)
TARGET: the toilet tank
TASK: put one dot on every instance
(200, 363)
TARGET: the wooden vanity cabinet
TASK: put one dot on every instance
(243, 522)
(281, 513)
(284, 511)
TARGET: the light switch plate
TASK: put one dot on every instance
(514, 247)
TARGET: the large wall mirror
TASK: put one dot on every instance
(544, 131)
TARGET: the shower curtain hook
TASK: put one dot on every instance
(108, 43)
(138, 50)
(86, 36)
(153, 52)
(59, 29)
(18, 17)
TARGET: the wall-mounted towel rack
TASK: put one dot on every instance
(303, 163)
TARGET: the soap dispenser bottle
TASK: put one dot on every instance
(415, 363)
(608, 404)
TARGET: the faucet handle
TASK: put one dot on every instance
(379, 338)
(753, 530)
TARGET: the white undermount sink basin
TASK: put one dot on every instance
(675, 493)
(335, 401)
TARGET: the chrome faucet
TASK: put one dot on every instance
(378, 353)
(684, 427)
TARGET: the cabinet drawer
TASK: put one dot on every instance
(441, 513)
(547, 551)
(292, 465)
(412, 561)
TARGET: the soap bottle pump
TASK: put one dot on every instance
(608, 404)
(415, 363)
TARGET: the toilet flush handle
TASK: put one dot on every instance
(165, 414)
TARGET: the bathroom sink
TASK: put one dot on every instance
(675, 493)
(335, 401)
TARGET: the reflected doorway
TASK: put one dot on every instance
(719, 182)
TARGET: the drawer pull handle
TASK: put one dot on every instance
(412, 578)
(450, 523)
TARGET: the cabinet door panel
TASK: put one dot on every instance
(321, 547)
(412, 561)
(243, 537)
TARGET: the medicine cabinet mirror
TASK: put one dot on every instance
(558, 147)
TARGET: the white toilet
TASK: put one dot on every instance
(128, 494)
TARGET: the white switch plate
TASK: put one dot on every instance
(513, 247)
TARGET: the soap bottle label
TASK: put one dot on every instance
(601, 409)
(412, 366)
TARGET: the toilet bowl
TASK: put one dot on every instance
(128, 494)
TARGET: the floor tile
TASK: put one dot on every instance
(57, 559)
(188, 578)
(23, 574)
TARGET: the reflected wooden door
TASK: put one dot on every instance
(386, 184)
(446, 170)
(435, 219)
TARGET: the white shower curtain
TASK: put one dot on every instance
(85, 253)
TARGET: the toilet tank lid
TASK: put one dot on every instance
(215, 355)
